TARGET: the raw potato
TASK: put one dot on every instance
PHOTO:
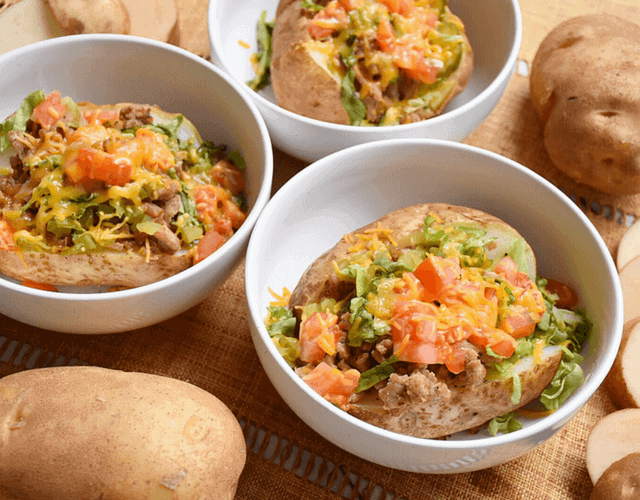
(25, 22)
(584, 86)
(91, 16)
(85, 432)
(432, 416)
(303, 86)
(612, 438)
(623, 381)
(630, 282)
(621, 480)
(629, 246)
(155, 19)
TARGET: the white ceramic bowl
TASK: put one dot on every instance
(494, 28)
(351, 188)
(107, 69)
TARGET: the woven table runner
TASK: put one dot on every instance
(210, 345)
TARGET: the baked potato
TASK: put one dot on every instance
(120, 195)
(430, 321)
(368, 62)
(584, 87)
(87, 432)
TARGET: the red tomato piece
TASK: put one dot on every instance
(208, 244)
(567, 298)
(6, 236)
(329, 20)
(332, 384)
(509, 270)
(436, 274)
(92, 164)
(39, 286)
(386, 36)
(519, 324)
(500, 342)
(49, 111)
(318, 336)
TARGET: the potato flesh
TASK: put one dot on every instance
(623, 381)
(612, 438)
(630, 282)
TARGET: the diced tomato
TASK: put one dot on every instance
(351, 4)
(208, 244)
(49, 111)
(332, 384)
(509, 270)
(386, 36)
(481, 306)
(415, 335)
(423, 71)
(217, 210)
(500, 342)
(319, 334)
(100, 116)
(6, 236)
(567, 298)
(329, 20)
(436, 274)
(228, 176)
(39, 286)
(403, 7)
(90, 164)
(519, 323)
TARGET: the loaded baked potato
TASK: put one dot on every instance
(120, 195)
(368, 62)
(431, 321)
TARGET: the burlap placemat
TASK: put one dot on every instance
(210, 344)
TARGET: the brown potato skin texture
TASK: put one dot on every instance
(100, 268)
(584, 87)
(621, 480)
(93, 433)
(304, 88)
(469, 406)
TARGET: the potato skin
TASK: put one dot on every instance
(303, 87)
(584, 88)
(104, 268)
(620, 481)
(93, 433)
(469, 406)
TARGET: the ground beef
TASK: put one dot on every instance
(19, 143)
(171, 208)
(136, 116)
(418, 387)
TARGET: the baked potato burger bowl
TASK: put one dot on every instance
(365, 62)
(430, 321)
(120, 195)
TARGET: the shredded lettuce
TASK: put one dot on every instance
(504, 423)
(364, 326)
(376, 374)
(353, 105)
(262, 59)
(281, 325)
(18, 121)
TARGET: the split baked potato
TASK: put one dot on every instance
(119, 195)
(584, 87)
(430, 321)
(368, 62)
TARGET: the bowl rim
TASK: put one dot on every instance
(503, 76)
(238, 237)
(553, 421)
